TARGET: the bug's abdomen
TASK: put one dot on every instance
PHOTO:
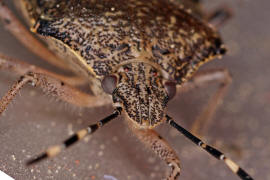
(105, 34)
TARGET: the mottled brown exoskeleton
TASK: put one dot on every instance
(136, 54)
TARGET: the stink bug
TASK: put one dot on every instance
(134, 54)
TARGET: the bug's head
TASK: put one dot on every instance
(141, 91)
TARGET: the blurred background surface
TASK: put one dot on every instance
(240, 128)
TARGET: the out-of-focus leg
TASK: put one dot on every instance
(219, 16)
(20, 68)
(53, 87)
(17, 29)
(221, 76)
(51, 83)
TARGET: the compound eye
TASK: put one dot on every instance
(170, 87)
(109, 83)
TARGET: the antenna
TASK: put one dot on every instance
(54, 150)
(214, 152)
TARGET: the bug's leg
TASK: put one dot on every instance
(48, 82)
(53, 87)
(20, 68)
(220, 16)
(221, 76)
(161, 148)
(54, 150)
(17, 29)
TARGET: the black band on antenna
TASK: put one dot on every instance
(54, 150)
(214, 152)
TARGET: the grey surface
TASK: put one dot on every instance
(241, 127)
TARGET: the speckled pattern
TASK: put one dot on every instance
(105, 34)
(142, 94)
(101, 37)
(241, 127)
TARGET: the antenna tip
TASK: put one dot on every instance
(37, 159)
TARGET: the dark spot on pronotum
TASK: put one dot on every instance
(164, 51)
(122, 46)
(101, 55)
(137, 87)
(161, 51)
(148, 91)
(45, 29)
(62, 83)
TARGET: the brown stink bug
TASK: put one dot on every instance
(135, 54)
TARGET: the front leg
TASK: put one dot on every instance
(161, 148)
(53, 87)
(51, 83)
